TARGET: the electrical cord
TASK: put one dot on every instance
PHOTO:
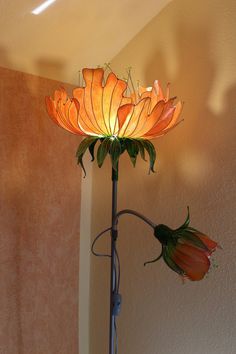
(94, 242)
(116, 271)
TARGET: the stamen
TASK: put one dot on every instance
(132, 84)
(138, 87)
(168, 91)
(108, 67)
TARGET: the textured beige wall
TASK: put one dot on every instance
(39, 217)
(192, 45)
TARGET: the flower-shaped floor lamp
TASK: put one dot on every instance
(121, 118)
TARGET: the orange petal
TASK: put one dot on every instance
(145, 94)
(51, 110)
(177, 112)
(112, 98)
(158, 91)
(164, 132)
(62, 110)
(151, 120)
(73, 113)
(60, 94)
(124, 113)
(210, 244)
(194, 262)
(93, 98)
(157, 116)
(58, 111)
(138, 118)
(84, 120)
(126, 100)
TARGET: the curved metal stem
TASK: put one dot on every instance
(135, 213)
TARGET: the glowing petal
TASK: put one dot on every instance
(124, 114)
(93, 98)
(138, 118)
(83, 119)
(112, 98)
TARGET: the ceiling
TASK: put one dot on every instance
(70, 34)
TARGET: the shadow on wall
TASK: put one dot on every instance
(203, 142)
(4, 59)
(39, 223)
(196, 166)
(50, 68)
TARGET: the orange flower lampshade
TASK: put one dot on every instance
(186, 250)
(103, 110)
(108, 112)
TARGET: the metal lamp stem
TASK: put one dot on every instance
(112, 270)
(115, 297)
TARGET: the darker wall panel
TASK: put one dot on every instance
(39, 222)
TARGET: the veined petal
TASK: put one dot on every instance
(158, 90)
(124, 113)
(73, 113)
(177, 112)
(139, 114)
(93, 98)
(63, 117)
(50, 106)
(210, 244)
(126, 100)
(151, 120)
(163, 121)
(162, 133)
(192, 260)
(83, 119)
(112, 98)
(63, 111)
(60, 94)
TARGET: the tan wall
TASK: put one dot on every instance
(192, 45)
(39, 237)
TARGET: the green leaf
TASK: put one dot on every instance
(103, 151)
(91, 149)
(187, 221)
(150, 148)
(132, 149)
(141, 149)
(85, 143)
(115, 152)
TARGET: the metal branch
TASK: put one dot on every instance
(135, 213)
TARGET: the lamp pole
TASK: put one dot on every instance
(115, 297)
(113, 275)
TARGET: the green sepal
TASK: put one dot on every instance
(192, 238)
(85, 143)
(150, 148)
(103, 151)
(187, 221)
(91, 149)
(167, 256)
(141, 149)
(132, 149)
(115, 152)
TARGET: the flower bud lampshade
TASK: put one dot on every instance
(114, 117)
